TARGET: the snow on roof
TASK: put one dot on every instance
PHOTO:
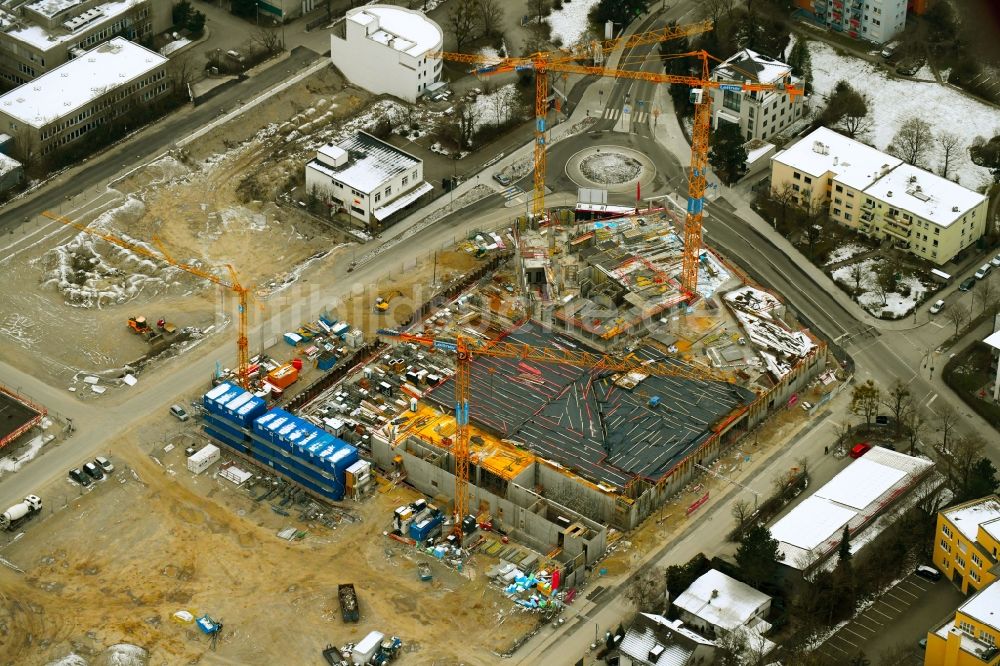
(402, 202)
(7, 164)
(984, 606)
(860, 483)
(51, 8)
(993, 340)
(824, 151)
(924, 194)
(654, 633)
(809, 524)
(969, 516)
(755, 300)
(405, 30)
(721, 601)
(370, 163)
(74, 84)
(747, 64)
(41, 38)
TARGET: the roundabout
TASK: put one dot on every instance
(611, 168)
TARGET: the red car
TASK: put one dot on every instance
(860, 449)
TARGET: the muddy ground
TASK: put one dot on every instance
(96, 576)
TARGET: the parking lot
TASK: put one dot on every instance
(901, 616)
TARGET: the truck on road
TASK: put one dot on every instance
(20, 512)
(348, 602)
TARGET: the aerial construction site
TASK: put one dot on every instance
(365, 438)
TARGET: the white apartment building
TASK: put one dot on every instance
(39, 36)
(367, 178)
(60, 107)
(872, 20)
(880, 196)
(389, 50)
(759, 114)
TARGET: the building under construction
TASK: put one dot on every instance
(559, 454)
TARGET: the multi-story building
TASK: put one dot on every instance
(879, 195)
(367, 178)
(759, 114)
(967, 543)
(872, 20)
(971, 637)
(46, 33)
(389, 50)
(62, 106)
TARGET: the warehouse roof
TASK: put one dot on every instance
(44, 39)
(721, 601)
(371, 162)
(925, 194)
(75, 84)
(405, 30)
(825, 151)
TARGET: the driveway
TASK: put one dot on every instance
(901, 616)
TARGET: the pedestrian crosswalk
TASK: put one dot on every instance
(511, 192)
(615, 114)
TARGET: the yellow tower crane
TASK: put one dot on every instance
(233, 284)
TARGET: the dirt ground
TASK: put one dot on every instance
(95, 576)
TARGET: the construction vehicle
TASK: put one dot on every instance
(424, 570)
(140, 326)
(382, 302)
(348, 603)
(20, 512)
(466, 348)
(700, 95)
(233, 284)
(165, 326)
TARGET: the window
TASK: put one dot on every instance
(987, 638)
(836, 211)
(751, 112)
(388, 191)
(731, 100)
(414, 175)
(977, 560)
(378, 197)
(935, 242)
(967, 628)
(808, 180)
(960, 561)
(944, 528)
(847, 216)
(795, 187)
(945, 546)
(837, 200)
(405, 180)
(839, 188)
(937, 231)
(973, 575)
(797, 176)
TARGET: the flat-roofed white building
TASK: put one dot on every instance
(389, 50)
(38, 36)
(62, 106)
(812, 531)
(368, 178)
(759, 114)
(880, 196)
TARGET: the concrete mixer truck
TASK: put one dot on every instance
(20, 512)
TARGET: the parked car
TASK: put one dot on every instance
(922, 643)
(967, 284)
(93, 471)
(937, 307)
(860, 449)
(995, 261)
(104, 464)
(179, 412)
(79, 477)
(928, 572)
(910, 66)
(983, 271)
(502, 178)
(889, 49)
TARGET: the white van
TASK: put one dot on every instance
(889, 49)
(983, 271)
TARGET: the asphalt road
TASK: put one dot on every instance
(151, 141)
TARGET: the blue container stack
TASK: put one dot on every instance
(290, 445)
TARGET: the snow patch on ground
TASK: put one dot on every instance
(570, 23)
(892, 101)
(497, 107)
(896, 303)
(12, 464)
(845, 252)
(610, 168)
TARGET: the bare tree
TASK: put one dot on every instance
(985, 294)
(647, 590)
(958, 315)
(858, 274)
(716, 8)
(181, 72)
(964, 455)
(915, 426)
(865, 400)
(742, 512)
(951, 153)
(27, 149)
(948, 418)
(268, 38)
(466, 118)
(785, 196)
(912, 142)
(490, 17)
(899, 402)
(463, 19)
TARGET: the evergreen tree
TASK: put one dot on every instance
(621, 12)
(679, 93)
(844, 555)
(801, 63)
(727, 154)
(982, 481)
(757, 556)
(180, 14)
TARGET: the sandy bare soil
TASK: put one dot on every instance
(96, 575)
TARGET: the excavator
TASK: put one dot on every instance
(382, 302)
(140, 326)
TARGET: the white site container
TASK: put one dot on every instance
(203, 459)
(366, 649)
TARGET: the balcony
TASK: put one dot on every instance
(896, 231)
